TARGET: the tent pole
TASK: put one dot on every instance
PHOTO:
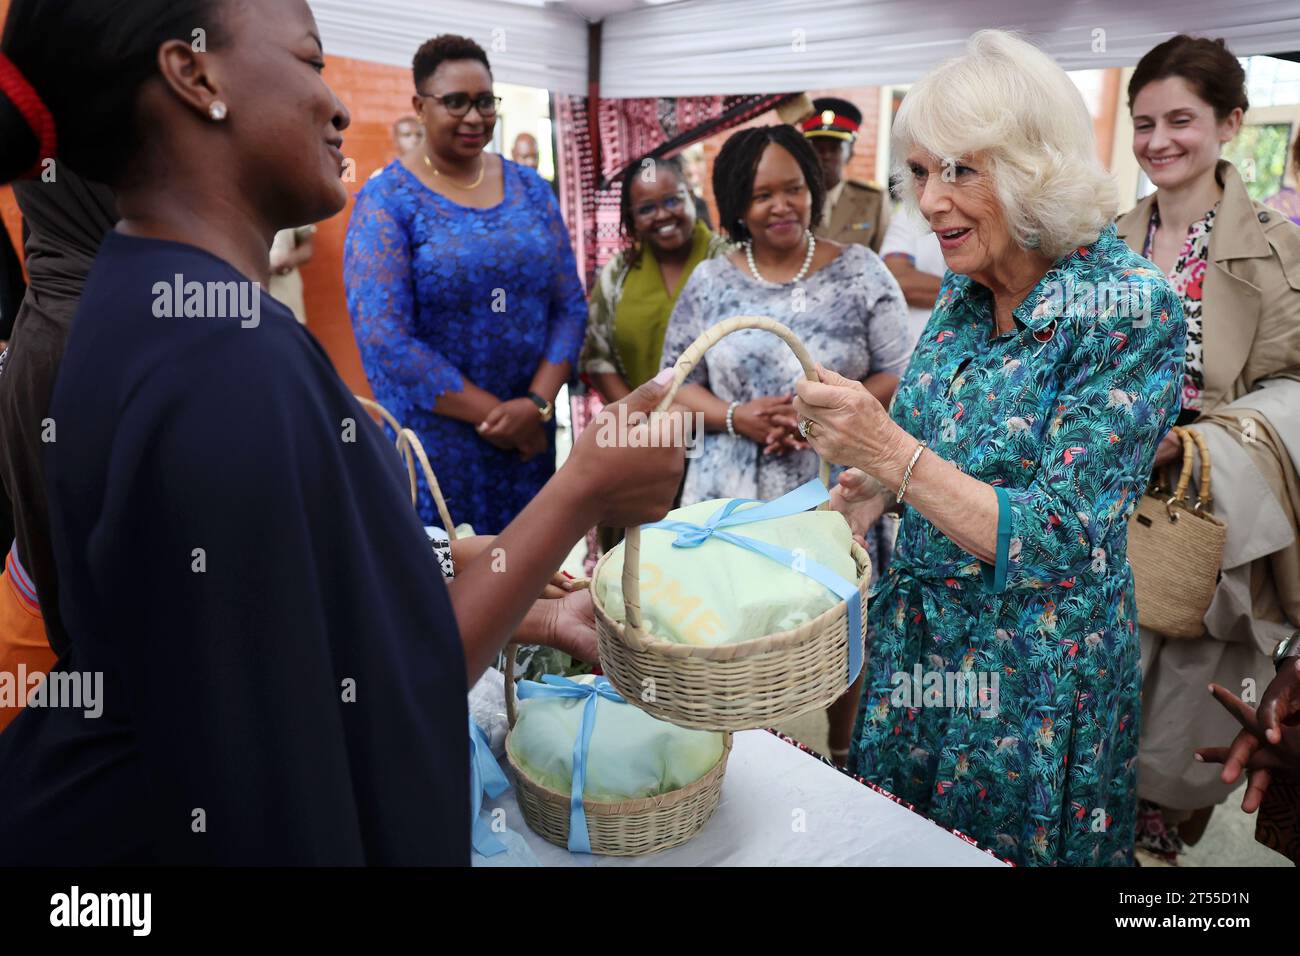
(593, 95)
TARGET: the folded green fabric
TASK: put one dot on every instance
(719, 593)
(632, 755)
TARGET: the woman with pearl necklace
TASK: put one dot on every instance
(840, 300)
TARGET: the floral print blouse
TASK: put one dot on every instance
(1187, 278)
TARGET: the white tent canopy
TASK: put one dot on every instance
(707, 47)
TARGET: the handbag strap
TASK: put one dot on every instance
(1203, 497)
(1193, 442)
(1185, 476)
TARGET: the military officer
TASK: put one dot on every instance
(855, 211)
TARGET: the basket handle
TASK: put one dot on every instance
(1185, 475)
(511, 714)
(684, 366)
(1203, 497)
(375, 408)
(410, 447)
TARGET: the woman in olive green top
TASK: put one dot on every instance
(637, 289)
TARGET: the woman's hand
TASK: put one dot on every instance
(1169, 449)
(783, 432)
(861, 499)
(572, 626)
(568, 624)
(534, 443)
(627, 467)
(516, 424)
(847, 424)
(760, 418)
(618, 474)
(782, 441)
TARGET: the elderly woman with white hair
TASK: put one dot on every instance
(1002, 695)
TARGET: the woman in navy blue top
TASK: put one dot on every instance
(277, 668)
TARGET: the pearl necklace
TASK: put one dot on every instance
(799, 276)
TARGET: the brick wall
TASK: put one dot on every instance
(376, 96)
(861, 166)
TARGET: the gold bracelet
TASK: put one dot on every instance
(907, 475)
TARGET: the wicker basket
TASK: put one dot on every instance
(626, 828)
(1176, 552)
(741, 686)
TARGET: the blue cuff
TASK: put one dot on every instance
(995, 577)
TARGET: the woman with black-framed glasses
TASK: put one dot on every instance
(637, 289)
(635, 293)
(464, 294)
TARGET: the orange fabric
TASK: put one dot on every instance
(22, 642)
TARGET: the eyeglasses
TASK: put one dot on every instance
(458, 104)
(671, 204)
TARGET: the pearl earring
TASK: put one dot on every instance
(217, 111)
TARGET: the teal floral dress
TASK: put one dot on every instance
(1003, 701)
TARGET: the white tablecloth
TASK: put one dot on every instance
(781, 806)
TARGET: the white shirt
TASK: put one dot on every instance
(910, 235)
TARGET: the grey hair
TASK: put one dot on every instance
(1007, 101)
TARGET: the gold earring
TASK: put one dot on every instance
(217, 111)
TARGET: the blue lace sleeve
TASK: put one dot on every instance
(568, 310)
(403, 370)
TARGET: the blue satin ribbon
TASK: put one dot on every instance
(803, 498)
(484, 776)
(552, 686)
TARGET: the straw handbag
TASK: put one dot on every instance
(1176, 551)
(626, 828)
(754, 683)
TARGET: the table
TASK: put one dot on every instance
(782, 807)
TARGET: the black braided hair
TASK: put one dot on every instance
(737, 164)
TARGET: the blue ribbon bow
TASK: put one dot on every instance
(484, 776)
(803, 498)
(552, 686)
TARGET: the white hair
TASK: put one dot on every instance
(1008, 101)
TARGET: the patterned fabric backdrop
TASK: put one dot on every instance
(628, 129)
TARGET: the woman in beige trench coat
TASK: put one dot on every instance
(1236, 265)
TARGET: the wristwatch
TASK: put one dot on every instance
(544, 408)
(1286, 648)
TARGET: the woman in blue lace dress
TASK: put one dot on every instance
(465, 296)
